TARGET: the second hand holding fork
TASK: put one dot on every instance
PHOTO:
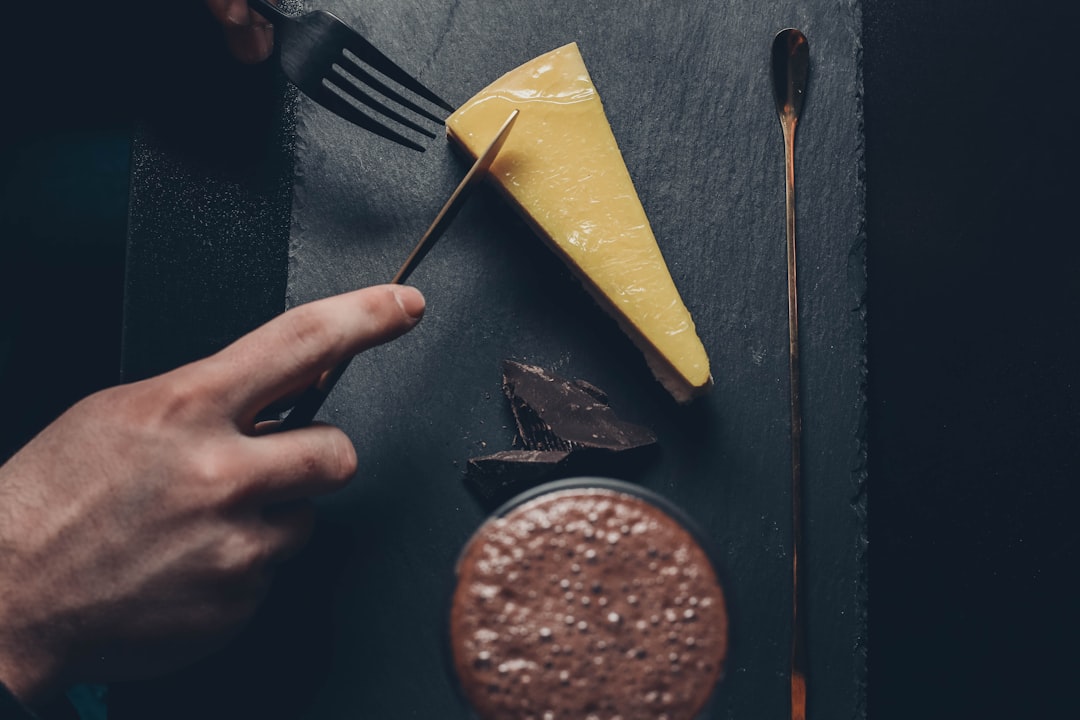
(325, 59)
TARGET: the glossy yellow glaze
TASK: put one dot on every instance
(563, 169)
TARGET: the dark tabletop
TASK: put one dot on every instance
(975, 412)
(972, 405)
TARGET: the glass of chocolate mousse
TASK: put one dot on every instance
(587, 598)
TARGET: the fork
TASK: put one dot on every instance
(322, 56)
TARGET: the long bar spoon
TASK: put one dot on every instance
(790, 68)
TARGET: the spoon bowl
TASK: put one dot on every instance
(790, 72)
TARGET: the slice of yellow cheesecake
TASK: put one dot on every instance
(563, 170)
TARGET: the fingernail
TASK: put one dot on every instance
(237, 13)
(410, 300)
(263, 40)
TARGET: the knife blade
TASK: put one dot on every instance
(306, 407)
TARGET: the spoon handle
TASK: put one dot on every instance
(790, 69)
(798, 641)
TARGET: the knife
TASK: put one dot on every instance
(308, 405)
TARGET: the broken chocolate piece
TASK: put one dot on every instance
(566, 427)
(557, 414)
(495, 476)
(596, 392)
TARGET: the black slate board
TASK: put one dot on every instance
(211, 180)
(354, 627)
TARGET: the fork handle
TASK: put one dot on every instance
(268, 11)
(310, 402)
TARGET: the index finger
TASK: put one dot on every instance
(250, 38)
(290, 352)
(230, 12)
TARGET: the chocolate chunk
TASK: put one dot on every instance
(596, 392)
(566, 427)
(553, 413)
(495, 477)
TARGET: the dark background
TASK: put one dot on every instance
(974, 411)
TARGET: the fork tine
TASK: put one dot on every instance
(342, 107)
(343, 83)
(366, 78)
(371, 55)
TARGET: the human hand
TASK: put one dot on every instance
(140, 530)
(249, 36)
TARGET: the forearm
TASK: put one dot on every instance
(28, 666)
(11, 708)
(25, 674)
